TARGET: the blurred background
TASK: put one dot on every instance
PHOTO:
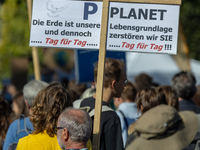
(16, 63)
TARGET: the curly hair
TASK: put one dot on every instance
(113, 70)
(48, 105)
(4, 119)
(149, 98)
(171, 96)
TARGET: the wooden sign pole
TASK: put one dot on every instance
(100, 76)
(101, 63)
(34, 49)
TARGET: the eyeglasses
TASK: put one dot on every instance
(55, 129)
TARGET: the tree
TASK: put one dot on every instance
(14, 33)
(189, 18)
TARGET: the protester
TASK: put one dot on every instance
(171, 96)
(127, 109)
(75, 129)
(163, 128)
(114, 82)
(147, 99)
(142, 81)
(196, 98)
(48, 105)
(73, 94)
(184, 84)
(19, 106)
(4, 120)
(22, 127)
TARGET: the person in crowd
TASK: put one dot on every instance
(185, 85)
(73, 129)
(171, 96)
(196, 98)
(19, 106)
(5, 120)
(127, 108)
(73, 94)
(30, 91)
(163, 128)
(142, 81)
(47, 106)
(114, 82)
(147, 99)
(78, 88)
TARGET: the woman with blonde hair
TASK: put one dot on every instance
(48, 105)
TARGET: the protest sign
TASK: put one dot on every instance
(54, 24)
(85, 61)
(66, 24)
(131, 26)
(143, 27)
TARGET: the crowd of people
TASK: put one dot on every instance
(145, 115)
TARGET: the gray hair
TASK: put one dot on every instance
(31, 89)
(79, 125)
(185, 84)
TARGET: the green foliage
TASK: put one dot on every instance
(190, 14)
(14, 33)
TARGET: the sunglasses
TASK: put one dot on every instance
(55, 129)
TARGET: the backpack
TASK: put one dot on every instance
(77, 105)
(21, 132)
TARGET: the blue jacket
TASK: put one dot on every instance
(12, 132)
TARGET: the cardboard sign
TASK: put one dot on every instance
(143, 27)
(66, 24)
(151, 28)
(85, 61)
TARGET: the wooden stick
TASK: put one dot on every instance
(100, 76)
(34, 49)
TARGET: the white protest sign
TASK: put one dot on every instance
(67, 24)
(151, 28)
(137, 27)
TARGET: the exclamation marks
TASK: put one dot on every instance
(168, 47)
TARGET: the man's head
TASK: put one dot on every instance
(128, 95)
(150, 97)
(76, 128)
(184, 84)
(143, 80)
(114, 75)
(31, 89)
